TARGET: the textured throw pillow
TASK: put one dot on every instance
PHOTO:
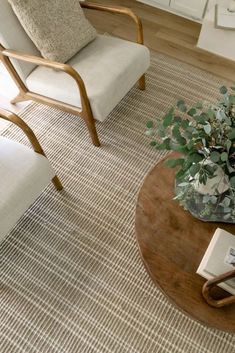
(58, 28)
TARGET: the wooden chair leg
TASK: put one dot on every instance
(57, 183)
(90, 123)
(19, 98)
(142, 84)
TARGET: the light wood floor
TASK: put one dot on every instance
(164, 32)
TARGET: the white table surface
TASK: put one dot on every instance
(215, 40)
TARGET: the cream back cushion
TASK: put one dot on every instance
(58, 28)
(13, 36)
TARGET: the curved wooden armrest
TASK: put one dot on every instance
(118, 10)
(13, 54)
(206, 290)
(43, 62)
(15, 119)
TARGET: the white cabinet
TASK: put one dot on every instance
(163, 2)
(194, 8)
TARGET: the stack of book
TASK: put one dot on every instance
(219, 259)
(225, 16)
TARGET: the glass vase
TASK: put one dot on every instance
(207, 206)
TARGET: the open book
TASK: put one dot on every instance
(224, 18)
(219, 258)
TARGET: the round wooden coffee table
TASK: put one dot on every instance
(172, 244)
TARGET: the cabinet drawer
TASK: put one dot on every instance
(194, 8)
(162, 2)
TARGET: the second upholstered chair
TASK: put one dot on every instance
(24, 173)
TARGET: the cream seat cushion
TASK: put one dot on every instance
(23, 174)
(109, 67)
(58, 28)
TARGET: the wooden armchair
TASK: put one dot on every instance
(90, 84)
(24, 173)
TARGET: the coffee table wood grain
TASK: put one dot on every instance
(172, 244)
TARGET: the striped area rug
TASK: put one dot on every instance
(72, 280)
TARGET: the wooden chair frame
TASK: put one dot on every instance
(85, 112)
(15, 119)
(210, 284)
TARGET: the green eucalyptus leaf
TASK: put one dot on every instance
(231, 134)
(223, 102)
(204, 115)
(187, 164)
(210, 169)
(180, 102)
(206, 198)
(219, 115)
(168, 119)
(153, 143)
(192, 112)
(195, 158)
(226, 202)
(190, 145)
(213, 199)
(223, 90)
(172, 163)
(228, 120)
(231, 100)
(194, 169)
(227, 216)
(161, 132)
(204, 142)
(165, 145)
(190, 129)
(211, 113)
(188, 135)
(218, 147)
(180, 174)
(183, 184)
(224, 156)
(176, 132)
(207, 128)
(185, 124)
(201, 120)
(183, 108)
(230, 168)
(177, 119)
(227, 209)
(203, 179)
(161, 146)
(179, 148)
(149, 124)
(182, 140)
(215, 156)
(232, 182)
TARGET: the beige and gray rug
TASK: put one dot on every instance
(72, 280)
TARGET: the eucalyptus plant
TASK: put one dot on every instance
(204, 134)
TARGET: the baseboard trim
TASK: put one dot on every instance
(168, 9)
